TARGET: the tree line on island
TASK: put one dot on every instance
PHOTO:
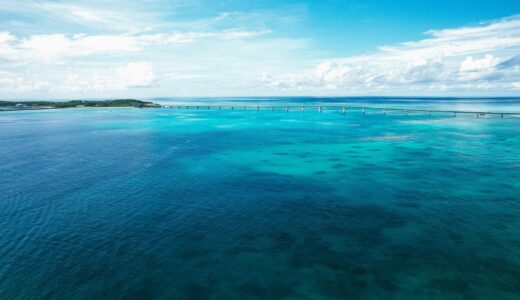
(13, 105)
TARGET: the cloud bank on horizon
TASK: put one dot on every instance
(61, 49)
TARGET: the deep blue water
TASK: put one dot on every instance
(198, 204)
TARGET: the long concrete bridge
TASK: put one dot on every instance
(343, 108)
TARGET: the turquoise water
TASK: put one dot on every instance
(198, 204)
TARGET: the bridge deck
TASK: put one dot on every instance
(343, 108)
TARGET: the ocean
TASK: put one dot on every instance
(245, 204)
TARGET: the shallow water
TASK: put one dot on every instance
(198, 204)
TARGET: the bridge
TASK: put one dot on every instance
(343, 108)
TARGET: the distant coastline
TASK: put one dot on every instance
(36, 105)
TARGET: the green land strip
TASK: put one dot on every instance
(30, 105)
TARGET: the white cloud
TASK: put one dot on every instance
(6, 37)
(183, 76)
(454, 59)
(122, 16)
(45, 48)
(6, 49)
(240, 34)
(132, 75)
(190, 37)
(488, 62)
(79, 13)
(80, 47)
(23, 84)
(290, 81)
(51, 47)
(137, 74)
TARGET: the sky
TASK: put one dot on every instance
(143, 49)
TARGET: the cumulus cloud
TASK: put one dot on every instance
(488, 62)
(481, 56)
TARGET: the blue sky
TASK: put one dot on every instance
(107, 49)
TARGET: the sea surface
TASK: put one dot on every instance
(244, 204)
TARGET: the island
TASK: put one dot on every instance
(30, 105)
